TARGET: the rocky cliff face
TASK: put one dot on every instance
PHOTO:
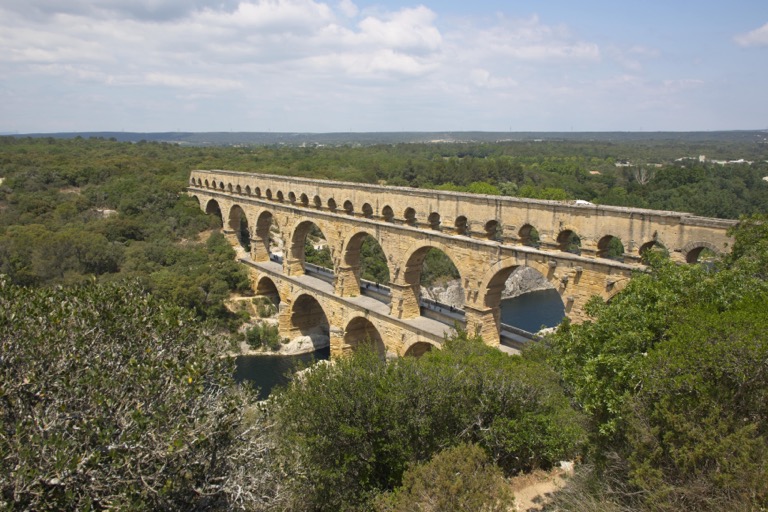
(522, 280)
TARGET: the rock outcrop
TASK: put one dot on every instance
(522, 280)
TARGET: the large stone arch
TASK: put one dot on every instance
(260, 241)
(692, 250)
(495, 277)
(405, 282)
(485, 314)
(294, 251)
(238, 223)
(359, 331)
(304, 317)
(212, 207)
(349, 270)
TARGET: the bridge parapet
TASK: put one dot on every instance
(506, 219)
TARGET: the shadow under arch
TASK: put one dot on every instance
(360, 331)
(308, 318)
(266, 234)
(238, 222)
(212, 208)
(266, 287)
(610, 247)
(694, 251)
(418, 348)
(569, 241)
(529, 236)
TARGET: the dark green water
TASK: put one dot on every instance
(266, 372)
(533, 310)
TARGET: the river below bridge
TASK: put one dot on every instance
(529, 312)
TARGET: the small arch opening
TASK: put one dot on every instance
(434, 221)
(280, 197)
(569, 241)
(388, 214)
(268, 194)
(332, 204)
(213, 208)
(247, 190)
(418, 349)
(493, 230)
(703, 255)
(304, 200)
(291, 197)
(238, 222)
(410, 216)
(654, 246)
(317, 202)
(462, 225)
(367, 211)
(349, 209)
(529, 236)
(611, 248)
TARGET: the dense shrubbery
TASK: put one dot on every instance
(112, 399)
(352, 429)
(673, 374)
(458, 479)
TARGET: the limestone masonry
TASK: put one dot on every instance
(487, 238)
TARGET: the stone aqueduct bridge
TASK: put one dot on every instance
(484, 236)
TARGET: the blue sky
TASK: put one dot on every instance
(345, 65)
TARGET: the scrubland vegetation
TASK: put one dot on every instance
(112, 394)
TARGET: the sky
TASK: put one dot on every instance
(365, 66)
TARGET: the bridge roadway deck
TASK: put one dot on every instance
(424, 326)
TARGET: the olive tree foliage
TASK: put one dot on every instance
(350, 430)
(112, 399)
(673, 375)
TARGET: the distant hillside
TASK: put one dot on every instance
(371, 138)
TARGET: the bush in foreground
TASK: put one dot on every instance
(112, 399)
(458, 479)
(352, 429)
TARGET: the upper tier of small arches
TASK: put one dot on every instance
(548, 225)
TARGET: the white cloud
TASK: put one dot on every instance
(348, 8)
(757, 37)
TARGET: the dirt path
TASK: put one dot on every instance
(534, 490)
